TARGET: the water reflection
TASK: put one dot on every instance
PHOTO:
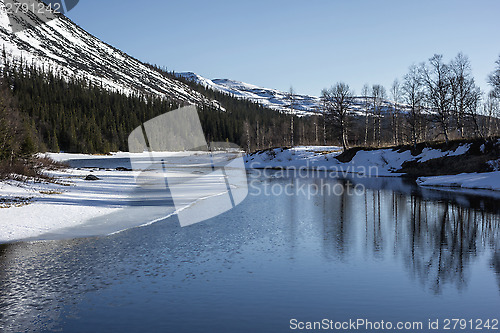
(436, 240)
(282, 248)
(337, 229)
(441, 240)
(495, 264)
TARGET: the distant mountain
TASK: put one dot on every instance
(271, 98)
(61, 46)
(278, 100)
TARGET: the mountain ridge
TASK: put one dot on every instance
(272, 98)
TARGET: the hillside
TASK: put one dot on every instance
(62, 46)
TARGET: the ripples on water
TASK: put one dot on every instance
(392, 253)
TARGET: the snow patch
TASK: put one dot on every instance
(477, 181)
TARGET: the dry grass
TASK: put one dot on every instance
(326, 152)
(14, 202)
(50, 192)
(452, 165)
(475, 160)
(33, 168)
(348, 154)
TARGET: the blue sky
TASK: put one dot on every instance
(309, 45)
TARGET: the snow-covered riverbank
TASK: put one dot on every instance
(368, 163)
(379, 163)
(489, 181)
(72, 206)
(71, 201)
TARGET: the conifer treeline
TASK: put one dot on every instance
(74, 115)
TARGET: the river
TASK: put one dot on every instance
(373, 249)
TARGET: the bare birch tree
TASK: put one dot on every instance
(492, 111)
(339, 99)
(396, 98)
(436, 78)
(413, 94)
(291, 99)
(463, 90)
(366, 104)
(378, 95)
(494, 79)
(473, 110)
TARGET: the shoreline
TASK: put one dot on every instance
(383, 162)
(70, 206)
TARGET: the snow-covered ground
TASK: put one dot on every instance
(371, 163)
(475, 181)
(55, 206)
(121, 199)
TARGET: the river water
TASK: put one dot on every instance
(384, 250)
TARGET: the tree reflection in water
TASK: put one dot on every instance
(437, 240)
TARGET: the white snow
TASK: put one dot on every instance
(109, 205)
(429, 153)
(495, 164)
(57, 206)
(476, 181)
(379, 162)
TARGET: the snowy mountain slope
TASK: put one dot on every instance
(279, 100)
(62, 46)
